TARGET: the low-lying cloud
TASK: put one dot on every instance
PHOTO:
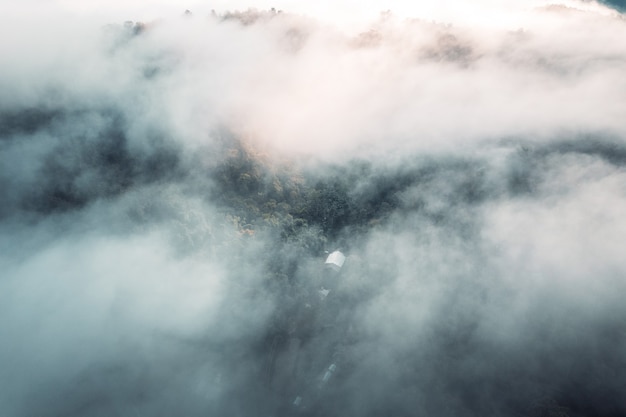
(172, 187)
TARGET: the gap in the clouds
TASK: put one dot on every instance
(619, 4)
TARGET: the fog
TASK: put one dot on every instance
(173, 182)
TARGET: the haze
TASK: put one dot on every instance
(173, 182)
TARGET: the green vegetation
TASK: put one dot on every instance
(307, 208)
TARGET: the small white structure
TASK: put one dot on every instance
(329, 373)
(335, 260)
(323, 292)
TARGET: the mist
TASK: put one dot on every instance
(173, 182)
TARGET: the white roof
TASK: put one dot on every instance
(335, 260)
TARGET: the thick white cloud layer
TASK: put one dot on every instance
(470, 156)
(306, 86)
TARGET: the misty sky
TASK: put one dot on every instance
(171, 186)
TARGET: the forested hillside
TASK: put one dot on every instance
(172, 189)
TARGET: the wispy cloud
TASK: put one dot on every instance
(170, 185)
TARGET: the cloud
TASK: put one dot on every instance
(170, 187)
